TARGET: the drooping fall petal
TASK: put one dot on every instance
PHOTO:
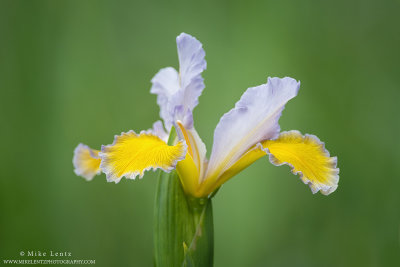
(307, 156)
(132, 154)
(86, 162)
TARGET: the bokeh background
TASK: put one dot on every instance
(80, 71)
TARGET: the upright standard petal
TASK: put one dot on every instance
(178, 93)
(307, 156)
(191, 65)
(132, 154)
(253, 119)
(165, 85)
(86, 162)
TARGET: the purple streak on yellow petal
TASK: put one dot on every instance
(86, 162)
(132, 154)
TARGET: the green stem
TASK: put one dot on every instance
(183, 226)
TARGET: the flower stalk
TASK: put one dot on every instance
(183, 225)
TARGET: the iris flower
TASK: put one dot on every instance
(246, 133)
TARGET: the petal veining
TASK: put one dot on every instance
(253, 119)
(132, 154)
(86, 162)
(307, 156)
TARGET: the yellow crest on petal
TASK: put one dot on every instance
(86, 162)
(308, 157)
(132, 154)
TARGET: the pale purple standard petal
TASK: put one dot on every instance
(165, 85)
(253, 119)
(177, 94)
(191, 65)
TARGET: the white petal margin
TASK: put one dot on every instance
(86, 162)
(324, 167)
(177, 94)
(132, 154)
(253, 119)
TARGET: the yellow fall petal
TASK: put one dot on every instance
(86, 162)
(307, 156)
(132, 154)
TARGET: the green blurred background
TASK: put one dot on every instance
(79, 71)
